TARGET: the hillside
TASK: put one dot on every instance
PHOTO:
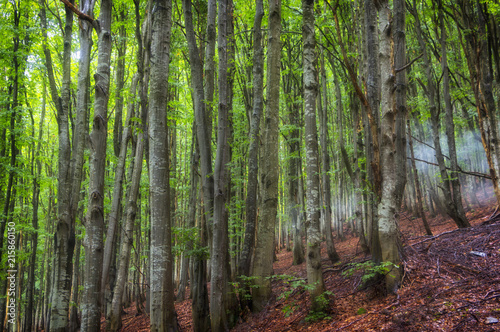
(445, 287)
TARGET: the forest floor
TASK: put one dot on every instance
(447, 284)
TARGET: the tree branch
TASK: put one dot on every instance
(409, 64)
(80, 15)
(480, 175)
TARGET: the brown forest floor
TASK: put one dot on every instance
(445, 287)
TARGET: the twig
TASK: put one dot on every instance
(436, 236)
(409, 64)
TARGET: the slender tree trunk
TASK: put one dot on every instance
(245, 264)
(28, 324)
(161, 262)
(116, 203)
(74, 319)
(372, 136)
(450, 128)
(325, 162)
(200, 305)
(92, 295)
(121, 48)
(420, 206)
(313, 258)
(114, 322)
(64, 239)
(219, 257)
(269, 166)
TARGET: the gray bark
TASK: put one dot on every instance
(325, 163)
(313, 257)
(127, 237)
(161, 261)
(117, 190)
(201, 318)
(219, 254)
(245, 263)
(92, 294)
(269, 166)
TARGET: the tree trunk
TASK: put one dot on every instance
(269, 166)
(392, 108)
(450, 128)
(94, 225)
(245, 264)
(114, 322)
(219, 258)
(420, 206)
(116, 203)
(201, 318)
(161, 261)
(325, 162)
(313, 258)
(28, 323)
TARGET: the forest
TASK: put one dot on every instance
(287, 165)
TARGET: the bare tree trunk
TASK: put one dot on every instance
(392, 110)
(161, 262)
(200, 305)
(219, 258)
(269, 167)
(109, 247)
(420, 206)
(325, 162)
(94, 225)
(28, 323)
(450, 128)
(245, 263)
(127, 237)
(313, 258)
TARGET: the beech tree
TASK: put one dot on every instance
(313, 257)
(161, 284)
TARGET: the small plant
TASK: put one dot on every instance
(289, 308)
(370, 270)
(361, 311)
(243, 286)
(315, 316)
(293, 284)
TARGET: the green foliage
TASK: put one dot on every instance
(361, 311)
(244, 285)
(370, 269)
(301, 286)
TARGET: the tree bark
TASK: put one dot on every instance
(219, 257)
(313, 257)
(94, 225)
(420, 205)
(161, 262)
(392, 108)
(325, 162)
(114, 322)
(200, 305)
(245, 263)
(109, 247)
(269, 166)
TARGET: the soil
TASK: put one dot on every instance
(451, 283)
